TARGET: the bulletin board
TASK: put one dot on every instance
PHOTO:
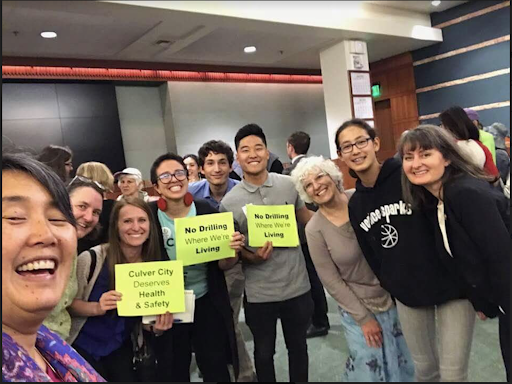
(361, 96)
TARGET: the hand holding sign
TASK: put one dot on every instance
(237, 241)
(109, 301)
(264, 252)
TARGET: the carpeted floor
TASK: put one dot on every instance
(327, 355)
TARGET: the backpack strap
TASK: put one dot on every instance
(93, 264)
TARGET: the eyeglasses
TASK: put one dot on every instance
(87, 180)
(166, 177)
(347, 148)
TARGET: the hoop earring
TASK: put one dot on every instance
(162, 204)
(188, 199)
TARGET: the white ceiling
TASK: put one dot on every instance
(107, 31)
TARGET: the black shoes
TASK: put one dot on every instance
(316, 331)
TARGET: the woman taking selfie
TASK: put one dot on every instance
(472, 219)
(38, 246)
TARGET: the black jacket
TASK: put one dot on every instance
(217, 288)
(478, 230)
(399, 244)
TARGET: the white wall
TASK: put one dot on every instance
(205, 111)
(142, 126)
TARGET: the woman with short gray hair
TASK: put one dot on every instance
(378, 351)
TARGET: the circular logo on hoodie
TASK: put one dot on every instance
(389, 236)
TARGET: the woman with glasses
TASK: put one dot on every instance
(378, 351)
(58, 158)
(86, 202)
(101, 174)
(399, 244)
(212, 334)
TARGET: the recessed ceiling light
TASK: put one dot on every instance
(250, 49)
(435, 3)
(48, 35)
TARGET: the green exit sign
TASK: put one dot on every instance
(376, 90)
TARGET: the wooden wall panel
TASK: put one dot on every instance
(404, 107)
(348, 181)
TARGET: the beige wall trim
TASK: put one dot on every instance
(500, 104)
(463, 50)
(464, 80)
(472, 15)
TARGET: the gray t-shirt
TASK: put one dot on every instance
(283, 276)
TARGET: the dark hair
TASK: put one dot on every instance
(150, 248)
(357, 123)
(19, 162)
(160, 159)
(456, 120)
(55, 157)
(300, 142)
(192, 156)
(249, 130)
(432, 137)
(354, 122)
(217, 147)
(77, 183)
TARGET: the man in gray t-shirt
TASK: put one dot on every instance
(277, 283)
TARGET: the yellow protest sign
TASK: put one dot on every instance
(275, 223)
(204, 238)
(150, 288)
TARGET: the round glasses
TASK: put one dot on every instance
(362, 143)
(166, 177)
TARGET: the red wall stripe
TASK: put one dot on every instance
(32, 72)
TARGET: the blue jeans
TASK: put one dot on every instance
(391, 362)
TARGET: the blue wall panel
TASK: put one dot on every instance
(461, 10)
(473, 31)
(480, 92)
(464, 65)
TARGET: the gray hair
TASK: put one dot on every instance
(315, 164)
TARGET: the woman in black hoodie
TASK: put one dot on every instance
(473, 237)
(399, 245)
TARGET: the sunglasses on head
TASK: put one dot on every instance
(87, 180)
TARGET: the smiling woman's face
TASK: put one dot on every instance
(37, 249)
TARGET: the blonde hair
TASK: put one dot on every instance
(97, 172)
(315, 164)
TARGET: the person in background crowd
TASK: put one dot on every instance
(98, 333)
(86, 202)
(101, 174)
(38, 247)
(378, 351)
(297, 147)
(484, 137)
(434, 169)
(130, 183)
(499, 133)
(458, 123)
(277, 285)
(192, 164)
(399, 244)
(215, 163)
(58, 158)
(212, 334)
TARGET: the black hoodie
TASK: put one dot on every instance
(399, 244)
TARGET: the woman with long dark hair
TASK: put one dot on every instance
(398, 243)
(58, 158)
(472, 219)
